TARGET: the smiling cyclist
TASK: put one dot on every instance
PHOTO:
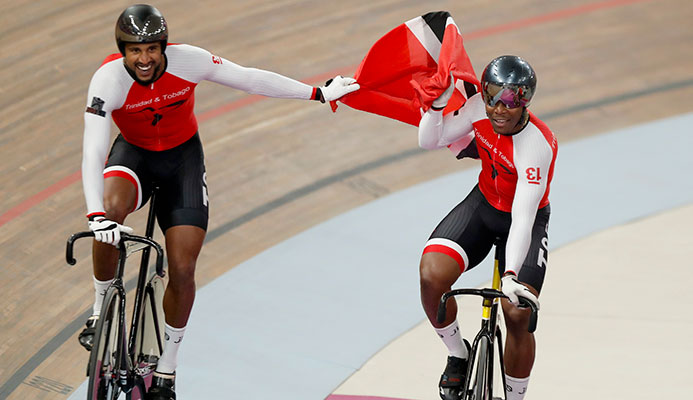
(508, 207)
(148, 91)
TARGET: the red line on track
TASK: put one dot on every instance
(553, 16)
(27, 204)
(39, 197)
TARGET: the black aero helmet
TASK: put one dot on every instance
(141, 23)
(510, 80)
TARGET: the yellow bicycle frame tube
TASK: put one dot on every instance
(495, 284)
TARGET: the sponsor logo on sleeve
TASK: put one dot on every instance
(216, 59)
(96, 107)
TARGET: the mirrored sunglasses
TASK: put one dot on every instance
(510, 95)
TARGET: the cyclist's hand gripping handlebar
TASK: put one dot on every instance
(488, 294)
(514, 290)
(124, 238)
(107, 231)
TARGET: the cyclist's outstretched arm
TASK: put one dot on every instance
(258, 81)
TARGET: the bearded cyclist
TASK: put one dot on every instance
(508, 207)
(147, 90)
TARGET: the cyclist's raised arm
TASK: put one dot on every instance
(437, 131)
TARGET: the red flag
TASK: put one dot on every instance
(410, 66)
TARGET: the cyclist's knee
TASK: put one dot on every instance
(116, 208)
(437, 272)
(182, 273)
(516, 319)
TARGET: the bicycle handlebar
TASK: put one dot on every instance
(124, 237)
(490, 294)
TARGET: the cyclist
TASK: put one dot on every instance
(509, 206)
(147, 90)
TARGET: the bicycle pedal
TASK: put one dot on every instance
(86, 337)
(447, 393)
(146, 364)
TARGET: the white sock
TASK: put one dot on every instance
(453, 340)
(515, 388)
(99, 293)
(169, 358)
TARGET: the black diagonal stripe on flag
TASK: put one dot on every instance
(436, 20)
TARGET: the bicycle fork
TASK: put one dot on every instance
(483, 346)
(125, 380)
(122, 363)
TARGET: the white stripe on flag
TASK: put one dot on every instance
(459, 84)
(449, 22)
(425, 35)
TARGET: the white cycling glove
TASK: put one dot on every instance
(337, 87)
(107, 231)
(442, 100)
(514, 289)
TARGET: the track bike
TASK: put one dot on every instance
(123, 359)
(483, 360)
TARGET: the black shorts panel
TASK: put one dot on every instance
(178, 172)
(476, 226)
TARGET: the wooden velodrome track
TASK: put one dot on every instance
(278, 167)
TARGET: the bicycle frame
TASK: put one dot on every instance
(489, 331)
(125, 359)
(141, 282)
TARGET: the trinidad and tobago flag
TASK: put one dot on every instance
(410, 66)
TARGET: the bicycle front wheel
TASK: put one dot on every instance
(480, 390)
(149, 335)
(105, 355)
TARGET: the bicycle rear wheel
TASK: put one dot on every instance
(480, 389)
(105, 355)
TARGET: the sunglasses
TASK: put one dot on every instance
(512, 96)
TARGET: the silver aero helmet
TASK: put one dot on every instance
(510, 80)
(141, 23)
